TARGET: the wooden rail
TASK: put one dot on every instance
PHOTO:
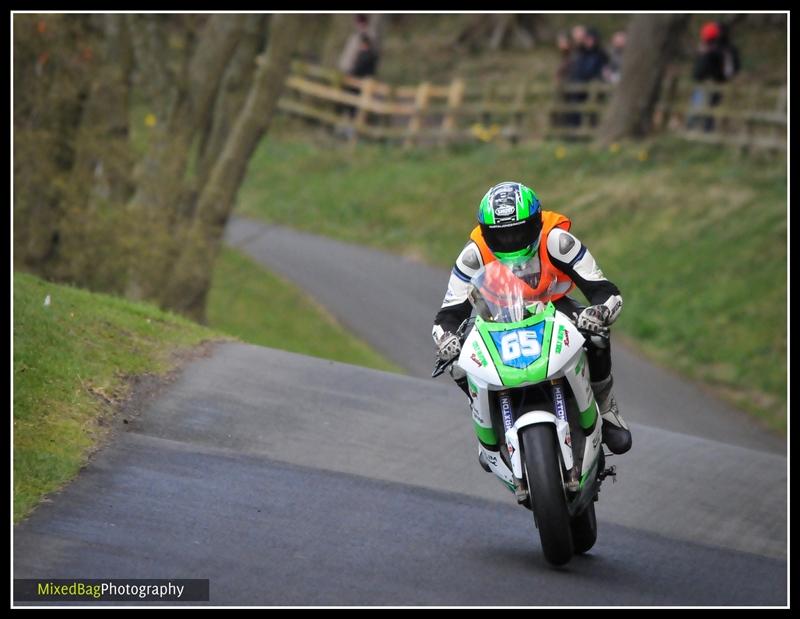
(497, 110)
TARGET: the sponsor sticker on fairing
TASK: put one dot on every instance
(560, 339)
(478, 356)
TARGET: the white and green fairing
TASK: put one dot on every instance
(543, 347)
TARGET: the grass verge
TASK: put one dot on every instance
(259, 307)
(73, 360)
(694, 235)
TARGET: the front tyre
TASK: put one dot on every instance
(584, 530)
(546, 484)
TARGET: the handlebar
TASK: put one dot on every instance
(589, 334)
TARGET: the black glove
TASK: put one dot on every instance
(595, 319)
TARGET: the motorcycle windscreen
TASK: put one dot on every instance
(509, 293)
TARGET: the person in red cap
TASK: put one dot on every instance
(709, 62)
(709, 65)
(710, 31)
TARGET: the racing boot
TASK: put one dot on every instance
(616, 435)
(460, 378)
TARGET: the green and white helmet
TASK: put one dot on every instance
(510, 216)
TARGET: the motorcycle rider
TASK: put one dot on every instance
(513, 228)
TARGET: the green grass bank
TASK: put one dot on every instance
(73, 360)
(694, 235)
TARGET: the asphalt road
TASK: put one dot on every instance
(290, 480)
(391, 301)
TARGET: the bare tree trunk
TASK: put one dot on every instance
(510, 27)
(652, 42)
(232, 93)
(51, 78)
(103, 152)
(495, 32)
(99, 182)
(502, 24)
(161, 181)
(187, 289)
(534, 24)
(475, 32)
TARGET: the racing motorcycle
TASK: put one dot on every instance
(534, 412)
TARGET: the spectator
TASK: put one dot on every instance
(359, 58)
(613, 70)
(366, 60)
(565, 49)
(716, 61)
(590, 59)
(570, 48)
(587, 66)
(578, 34)
(709, 63)
(564, 46)
(347, 58)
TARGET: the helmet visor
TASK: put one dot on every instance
(512, 237)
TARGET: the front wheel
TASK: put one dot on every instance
(584, 530)
(546, 484)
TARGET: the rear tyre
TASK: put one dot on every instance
(546, 485)
(584, 530)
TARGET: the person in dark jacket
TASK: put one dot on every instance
(709, 63)
(717, 61)
(588, 64)
(366, 61)
(365, 64)
(590, 59)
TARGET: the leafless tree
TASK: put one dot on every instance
(652, 42)
(132, 133)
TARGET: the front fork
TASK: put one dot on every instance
(572, 479)
(506, 412)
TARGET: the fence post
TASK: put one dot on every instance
(420, 105)
(454, 98)
(662, 114)
(367, 87)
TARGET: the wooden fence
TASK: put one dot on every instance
(523, 111)
(735, 114)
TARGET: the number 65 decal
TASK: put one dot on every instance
(518, 343)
